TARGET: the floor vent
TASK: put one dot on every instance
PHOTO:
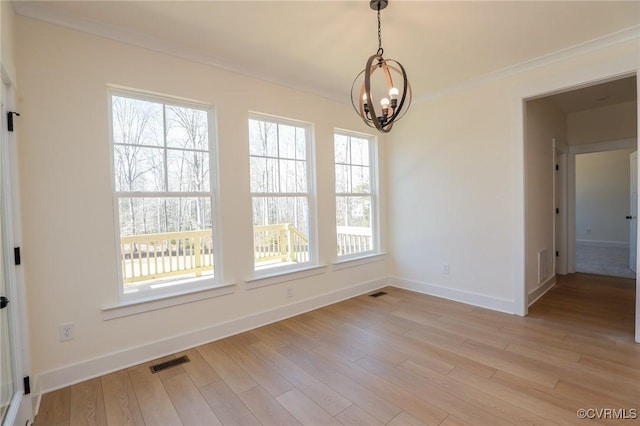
(378, 294)
(168, 364)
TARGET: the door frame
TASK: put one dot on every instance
(21, 408)
(577, 78)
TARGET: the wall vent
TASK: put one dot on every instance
(378, 294)
(168, 364)
(543, 266)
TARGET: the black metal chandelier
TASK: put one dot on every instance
(363, 93)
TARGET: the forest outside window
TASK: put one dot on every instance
(282, 199)
(356, 194)
(163, 170)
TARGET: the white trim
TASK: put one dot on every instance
(541, 290)
(541, 61)
(281, 276)
(138, 306)
(603, 244)
(352, 262)
(612, 145)
(75, 373)
(463, 296)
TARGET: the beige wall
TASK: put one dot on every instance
(602, 197)
(69, 231)
(609, 123)
(544, 122)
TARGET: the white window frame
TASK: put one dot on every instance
(174, 288)
(269, 275)
(374, 195)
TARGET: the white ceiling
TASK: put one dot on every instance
(319, 46)
(597, 95)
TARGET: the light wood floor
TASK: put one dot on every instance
(400, 359)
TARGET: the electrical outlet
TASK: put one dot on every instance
(66, 331)
(588, 231)
(289, 292)
(445, 268)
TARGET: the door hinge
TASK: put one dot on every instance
(10, 115)
(557, 167)
(27, 385)
(16, 255)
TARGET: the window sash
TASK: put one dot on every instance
(359, 242)
(204, 176)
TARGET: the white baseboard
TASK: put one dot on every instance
(604, 244)
(69, 375)
(538, 292)
(494, 303)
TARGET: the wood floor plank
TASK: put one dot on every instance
(305, 410)
(121, 403)
(227, 368)
(262, 373)
(356, 416)
(55, 408)
(226, 405)
(376, 406)
(406, 419)
(87, 404)
(321, 394)
(436, 396)
(188, 401)
(424, 411)
(155, 405)
(266, 409)
(199, 369)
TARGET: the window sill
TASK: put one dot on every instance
(133, 307)
(352, 262)
(283, 276)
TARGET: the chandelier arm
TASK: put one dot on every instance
(367, 85)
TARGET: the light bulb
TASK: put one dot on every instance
(393, 93)
(385, 106)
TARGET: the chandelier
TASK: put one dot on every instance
(395, 99)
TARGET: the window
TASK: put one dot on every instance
(164, 194)
(280, 188)
(356, 203)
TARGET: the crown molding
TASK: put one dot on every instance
(609, 40)
(40, 11)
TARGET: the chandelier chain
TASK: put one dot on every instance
(380, 50)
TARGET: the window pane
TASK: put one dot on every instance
(263, 138)
(137, 122)
(287, 139)
(343, 183)
(359, 151)
(341, 148)
(187, 128)
(301, 143)
(188, 171)
(361, 179)
(281, 230)
(293, 176)
(355, 230)
(164, 239)
(138, 168)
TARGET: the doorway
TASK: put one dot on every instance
(15, 401)
(558, 127)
